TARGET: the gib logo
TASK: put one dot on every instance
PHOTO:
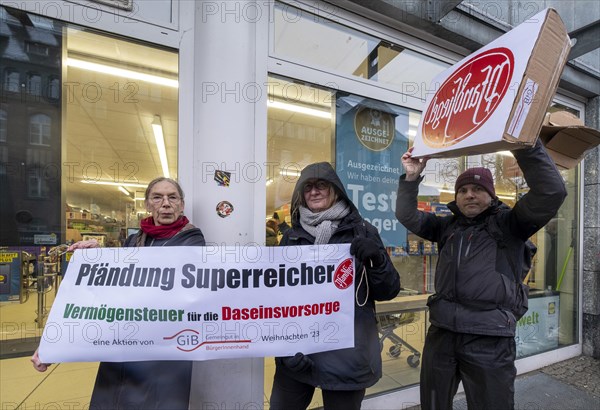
(468, 97)
(186, 340)
(344, 274)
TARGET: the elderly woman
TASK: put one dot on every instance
(150, 384)
(322, 214)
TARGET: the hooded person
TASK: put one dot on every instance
(322, 213)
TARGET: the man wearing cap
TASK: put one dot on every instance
(479, 295)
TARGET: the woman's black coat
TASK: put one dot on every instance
(158, 385)
(359, 367)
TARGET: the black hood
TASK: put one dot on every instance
(319, 170)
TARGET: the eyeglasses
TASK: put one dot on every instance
(320, 185)
(158, 199)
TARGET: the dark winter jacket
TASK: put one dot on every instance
(358, 367)
(478, 290)
(158, 385)
(270, 237)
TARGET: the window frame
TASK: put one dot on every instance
(34, 88)
(40, 134)
(8, 83)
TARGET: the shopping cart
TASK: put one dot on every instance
(387, 323)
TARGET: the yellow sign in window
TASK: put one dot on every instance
(8, 257)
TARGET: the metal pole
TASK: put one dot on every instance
(41, 302)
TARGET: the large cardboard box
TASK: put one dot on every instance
(566, 139)
(496, 98)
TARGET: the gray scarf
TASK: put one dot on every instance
(323, 224)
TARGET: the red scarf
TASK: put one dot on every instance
(162, 231)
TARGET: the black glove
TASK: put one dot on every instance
(298, 362)
(366, 250)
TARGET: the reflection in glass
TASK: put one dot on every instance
(310, 39)
(307, 129)
(3, 125)
(34, 84)
(120, 131)
(71, 140)
(39, 129)
(309, 124)
(299, 132)
(11, 80)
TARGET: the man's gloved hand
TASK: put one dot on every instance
(298, 362)
(366, 250)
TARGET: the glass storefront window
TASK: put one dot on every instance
(326, 125)
(299, 132)
(312, 40)
(364, 140)
(551, 321)
(120, 131)
(86, 121)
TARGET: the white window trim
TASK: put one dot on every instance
(109, 19)
(356, 86)
(565, 100)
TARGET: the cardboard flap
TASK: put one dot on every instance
(567, 145)
(562, 119)
(572, 142)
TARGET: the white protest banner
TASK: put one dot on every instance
(201, 303)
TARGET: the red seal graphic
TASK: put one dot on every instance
(468, 97)
(344, 274)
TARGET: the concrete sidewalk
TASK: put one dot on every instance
(573, 384)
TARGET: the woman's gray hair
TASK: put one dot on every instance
(161, 179)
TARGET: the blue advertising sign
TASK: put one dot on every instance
(371, 137)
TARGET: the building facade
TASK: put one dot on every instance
(100, 97)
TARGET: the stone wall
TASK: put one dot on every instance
(591, 240)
